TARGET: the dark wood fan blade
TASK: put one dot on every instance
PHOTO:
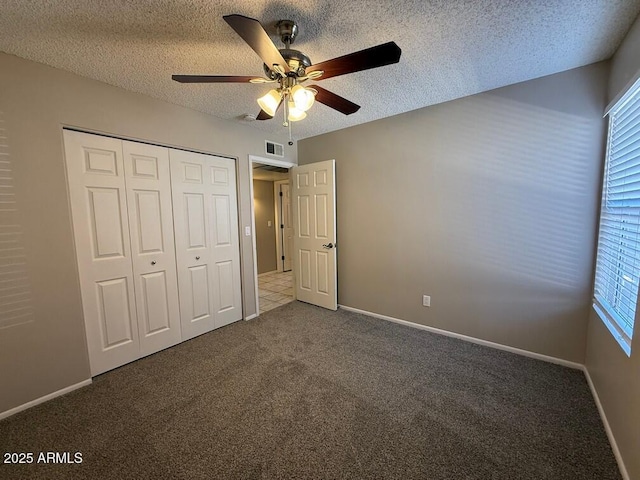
(265, 116)
(252, 32)
(211, 79)
(334, 101)
(373, 57)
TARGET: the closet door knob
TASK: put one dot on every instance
(197, 258)
(153, 262)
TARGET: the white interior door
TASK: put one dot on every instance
(99, 209)
(148, 186)
(207, 241)
(287, 229)
(313, 196)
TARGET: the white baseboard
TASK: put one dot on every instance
(46, 398)
(251, 317)
(486, 343)
(607, 427)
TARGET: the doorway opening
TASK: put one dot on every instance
(273, 233)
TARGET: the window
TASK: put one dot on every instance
(618, 260)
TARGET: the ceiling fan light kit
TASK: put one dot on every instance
(303, 97)
(270, 102)
(294, 114)
(290, 68)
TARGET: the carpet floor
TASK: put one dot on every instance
(302, 392)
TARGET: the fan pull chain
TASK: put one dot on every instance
(285, 123)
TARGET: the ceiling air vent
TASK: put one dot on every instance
(275, 149)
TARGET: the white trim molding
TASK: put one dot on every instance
(607, 427)
(46, 398)
(271, 161)
(254, 246)
(486, 343)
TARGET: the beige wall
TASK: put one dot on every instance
(626, 61)
(36, 101)
(264, 207)
(486, 203)
(615, 376)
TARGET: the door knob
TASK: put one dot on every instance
(328, 245)
(197, 258)
(153, 262)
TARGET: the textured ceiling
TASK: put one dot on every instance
(450, 48)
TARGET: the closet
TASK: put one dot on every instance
(156, 233)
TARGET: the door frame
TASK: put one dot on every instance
(280, 235)
(274, 163)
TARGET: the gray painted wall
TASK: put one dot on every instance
(626, 61)
(615, 376)
(487, 203)
(264, 206)
(36, 101)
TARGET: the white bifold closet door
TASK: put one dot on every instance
(148, 185)
(121, 206)
(207, 241)
(99, 209)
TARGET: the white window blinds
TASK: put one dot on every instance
(618, 260)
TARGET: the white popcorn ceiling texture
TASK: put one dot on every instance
(450, 48)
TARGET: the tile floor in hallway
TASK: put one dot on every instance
(275, 289)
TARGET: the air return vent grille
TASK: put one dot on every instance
(275, 149)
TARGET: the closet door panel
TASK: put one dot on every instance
(105, 215)
(193, 242)
(148, 187)
(225, 282)
(199, 289)
(196, 225)
(156, 311)
(226, 242)
(207, 240)
(222, 215)
(116, 326)
(150, 226)
(97, 191)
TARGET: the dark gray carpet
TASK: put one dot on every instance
(306, 393)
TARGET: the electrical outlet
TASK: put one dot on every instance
(426, 301)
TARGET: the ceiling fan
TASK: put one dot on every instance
(289, 69)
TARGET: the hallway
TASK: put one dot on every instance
(275, 289)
